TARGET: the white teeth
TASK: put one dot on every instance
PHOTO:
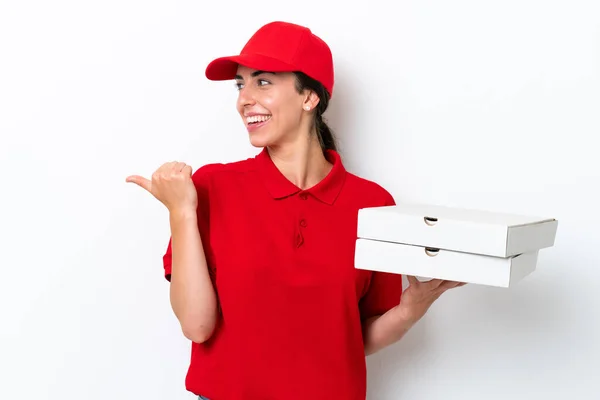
(257, 118)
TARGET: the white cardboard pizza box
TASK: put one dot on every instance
(424, 262)
(430, 241)
(457, 229)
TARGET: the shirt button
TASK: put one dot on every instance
(303, 196)
(302, 222)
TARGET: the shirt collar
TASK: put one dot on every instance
(280, 187)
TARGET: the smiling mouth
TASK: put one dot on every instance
(257, 119)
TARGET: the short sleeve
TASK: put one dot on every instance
(384, 289)
(201, 179)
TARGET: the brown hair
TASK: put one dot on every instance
(324, 133)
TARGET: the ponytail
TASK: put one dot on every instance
(324, 134)
(326, 138)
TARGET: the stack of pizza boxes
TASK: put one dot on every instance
(465, 245)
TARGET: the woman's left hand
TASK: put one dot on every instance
(419, 296)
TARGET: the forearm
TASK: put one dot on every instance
(384, 330)
(192, 294)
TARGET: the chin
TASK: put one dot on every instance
(259, 140)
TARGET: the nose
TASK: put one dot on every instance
(246, 97)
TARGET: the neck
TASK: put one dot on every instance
(302, 162)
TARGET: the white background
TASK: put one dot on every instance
(486, 104)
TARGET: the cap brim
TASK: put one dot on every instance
(225, 68)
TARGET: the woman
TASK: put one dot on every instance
(260, 258)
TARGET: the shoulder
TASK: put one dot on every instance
(208, 172)
(370, 193)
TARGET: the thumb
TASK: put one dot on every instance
(140, 181)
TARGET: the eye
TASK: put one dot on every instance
(262, 82)
(238, 85)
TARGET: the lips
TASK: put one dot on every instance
(257, 119)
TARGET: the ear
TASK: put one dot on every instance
(311, 100)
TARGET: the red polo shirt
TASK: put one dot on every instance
(291, 301)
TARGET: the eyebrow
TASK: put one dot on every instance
(255, 74)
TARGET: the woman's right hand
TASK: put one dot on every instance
(172, 185)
